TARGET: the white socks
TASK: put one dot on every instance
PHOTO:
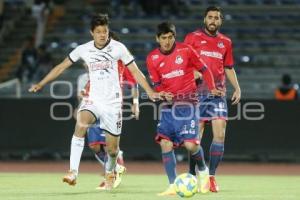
(77, 145)
(111, 163)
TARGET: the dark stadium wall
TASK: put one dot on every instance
(42, 128)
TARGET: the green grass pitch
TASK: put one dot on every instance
(43, 186)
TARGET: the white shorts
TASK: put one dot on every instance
(109, 115)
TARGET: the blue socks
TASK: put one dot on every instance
(192, 165)
(216, 154)
(169, 162)
(198, 158)
(101, 157)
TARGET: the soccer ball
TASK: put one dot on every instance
(186, 185)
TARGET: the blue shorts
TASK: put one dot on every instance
(212, 107)
(95, 135)
(178, 124)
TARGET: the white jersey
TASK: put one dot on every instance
(81, 83)
(103, 69)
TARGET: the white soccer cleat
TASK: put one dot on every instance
(120, 170)
(203, 181)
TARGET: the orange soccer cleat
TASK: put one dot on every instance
(70, 178)
(110, 178)
(213, 184)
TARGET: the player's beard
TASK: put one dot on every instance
(211, 29)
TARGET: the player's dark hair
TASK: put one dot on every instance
(99, 20)
(164, 28)
(114, 36)
(213, 8)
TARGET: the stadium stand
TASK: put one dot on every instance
(12, 35)
(265, 34)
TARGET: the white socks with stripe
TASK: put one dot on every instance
(77, 145)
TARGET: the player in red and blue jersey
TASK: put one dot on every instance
(171, 69)
(215, 49)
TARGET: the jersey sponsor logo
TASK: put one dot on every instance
(179, 60)
(221, 45)
(101, 65)
(92, 51)
(212, 54)
(154, 57)
(203, 42)
(173, 74)
(182, 49)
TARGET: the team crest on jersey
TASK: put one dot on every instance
(220, 44)
(154, 57)
(179, 60)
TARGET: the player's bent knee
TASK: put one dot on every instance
(166, 145)
(192, 147)
(95, 148)
(220, 137)
(80, 131)
(112, 150)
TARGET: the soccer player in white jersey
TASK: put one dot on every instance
(96, 136)
(105, 99)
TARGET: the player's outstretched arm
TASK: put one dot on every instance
(231, 75)
(135, 101)
(53, 74)
(140, 78)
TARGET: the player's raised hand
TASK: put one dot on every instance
(236, 97)
(218, 92)
(35, 88)
(168, 96)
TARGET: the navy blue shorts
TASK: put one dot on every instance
(178, 124)
(212, 107)
(95, 135)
